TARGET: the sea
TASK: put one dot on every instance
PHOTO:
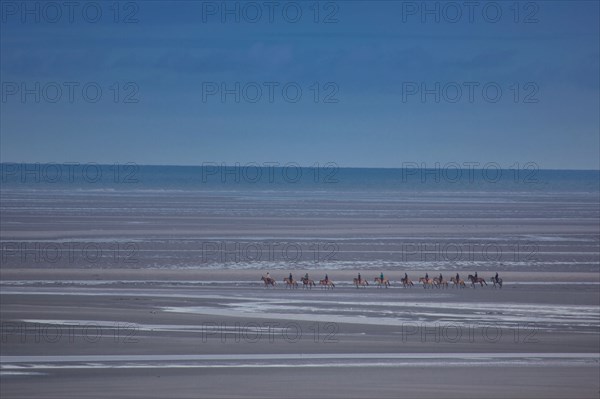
(313, 180)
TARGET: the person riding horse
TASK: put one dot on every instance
(405, 278)
(496, 278)
(359, 278)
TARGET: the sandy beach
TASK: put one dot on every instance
(153, 295)
(156, 335)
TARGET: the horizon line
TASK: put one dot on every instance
(284, 164)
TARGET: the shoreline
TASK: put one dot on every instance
(253, 276)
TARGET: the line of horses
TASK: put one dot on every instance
(456, 283)
(435, 282)
(306, 283)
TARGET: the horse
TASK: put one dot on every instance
(406, 282)
(326, 284)
(268, 281)
(460, 283)
(426, 282)
(497, 282)
(363, 282)
(290, 283)
(308, 283)
(380, 282)
(474, 280)
(440, 283)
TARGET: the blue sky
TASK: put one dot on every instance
(379, 83)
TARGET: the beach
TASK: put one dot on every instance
(115, 335)
(158, 293)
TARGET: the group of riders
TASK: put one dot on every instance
(382, 280)
(290, 280)
(439, 281)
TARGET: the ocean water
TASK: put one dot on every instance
(287, 217)
(316, 180)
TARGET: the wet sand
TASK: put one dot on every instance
(371, 231)
(125, 336)
(155, 295)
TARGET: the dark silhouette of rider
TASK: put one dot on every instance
(496, 277)
(405, 278)
(457, 277)
(426, 276)
(359, 278)
(441, 277)
(291, 279)
(326, 278)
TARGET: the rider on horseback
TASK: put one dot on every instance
(291, 279)
(405, 278)
(359, 278)
(326, 279)
(496, 277)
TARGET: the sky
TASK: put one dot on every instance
(356, 83)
